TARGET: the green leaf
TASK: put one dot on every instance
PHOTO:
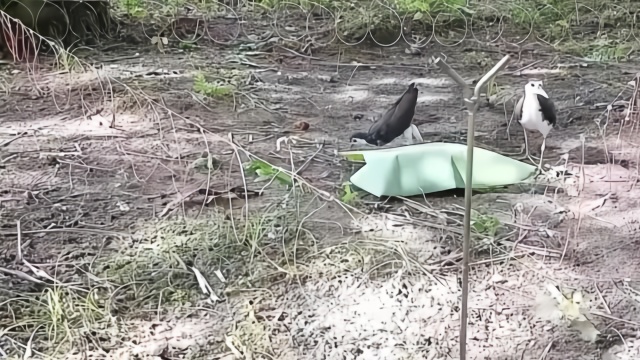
(349, 195)
(267, 171)
(353, 156)
(486, 225)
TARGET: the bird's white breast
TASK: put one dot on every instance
(532, 118)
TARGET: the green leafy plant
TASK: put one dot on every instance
(411, 6)
(610, 52)
(266, 171)
(600, 50)
(187, 46)
(202, 86)
(349, 195)
(486, 225)
(133, 8)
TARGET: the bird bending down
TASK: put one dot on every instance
(535, 111)
(394, 122)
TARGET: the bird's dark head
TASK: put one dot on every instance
(360, 138)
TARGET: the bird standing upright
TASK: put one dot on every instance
(535, 111)
(394, 122)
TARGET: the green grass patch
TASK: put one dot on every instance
(414, 6)
(305, 4)
(210, 89)
(602, 50)
(131, 280)
(133, 8)
(554, 21)
(61, 314)
(152, 276)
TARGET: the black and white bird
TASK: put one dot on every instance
(535, 111)
(394, 122)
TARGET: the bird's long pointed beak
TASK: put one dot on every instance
(541, 91)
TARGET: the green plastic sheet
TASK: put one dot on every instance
(432, 167)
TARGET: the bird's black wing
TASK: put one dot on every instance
(388, 115)
(396, 119)
(384, 119)
(410, 88)
(548, 109)
(405, 110)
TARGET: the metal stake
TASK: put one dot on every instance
(472, 103)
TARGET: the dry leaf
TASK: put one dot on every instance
(220, 276)
(204, 285)
(609, 355)
(301, 125)
(588, 332)
(228, 340)
(558, 306)
(546, 308)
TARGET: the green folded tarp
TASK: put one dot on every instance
(432, 167)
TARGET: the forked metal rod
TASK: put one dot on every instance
(472, 106)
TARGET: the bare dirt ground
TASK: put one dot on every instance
(108, 218)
